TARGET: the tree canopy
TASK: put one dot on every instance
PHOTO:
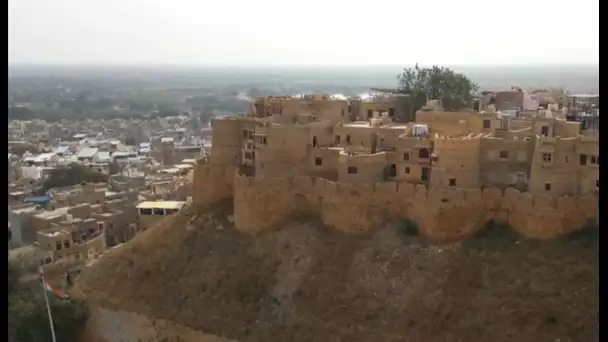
(73, 174)
(28, 317)
(455, 90)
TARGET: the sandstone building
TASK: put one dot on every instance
(348, 162)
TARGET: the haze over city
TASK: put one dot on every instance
(315, 32)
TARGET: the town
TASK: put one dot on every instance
(511, 140)
(78, 188)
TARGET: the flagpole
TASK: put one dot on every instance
(48, 306)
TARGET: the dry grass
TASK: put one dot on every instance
(306, 283)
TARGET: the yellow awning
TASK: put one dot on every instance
(161, 205)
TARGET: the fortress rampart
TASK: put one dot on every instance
(266, 204)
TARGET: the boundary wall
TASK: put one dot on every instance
(262, 205)
(212, 183)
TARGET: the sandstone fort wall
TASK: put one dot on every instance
(266, 204)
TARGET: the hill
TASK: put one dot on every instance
(306, 283)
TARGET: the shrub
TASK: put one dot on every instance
(408, 228)
(492, 229)
(589, 232)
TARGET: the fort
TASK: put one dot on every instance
(348, 162)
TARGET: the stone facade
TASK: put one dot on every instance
(449, 172)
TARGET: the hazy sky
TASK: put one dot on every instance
(397, 32)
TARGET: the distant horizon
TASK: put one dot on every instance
(479, 65)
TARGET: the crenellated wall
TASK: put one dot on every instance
(262, 205)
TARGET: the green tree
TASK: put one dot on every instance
(71, 175)
(21, 149)
(454, 90)
(31, 320)
(130, 141)
(28, 316)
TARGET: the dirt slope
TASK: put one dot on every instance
(306, 283)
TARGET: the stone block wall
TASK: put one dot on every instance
(266, 204)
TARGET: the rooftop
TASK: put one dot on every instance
(161, 205)
(49, 215)
(87, 152)
(37, 200)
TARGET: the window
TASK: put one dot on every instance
(348, 139)
(264, 141)
(244, 134)
(407, 170)
(58, 244)
(548, 186)
(352, 169)
(158, 211)
(392, 171)
(145, 212)
(370, 113)
(503, 154)
(597, 183)
(593, 160)
(314, 141)
(476, 105)
(66, 244)
(566, 159)
(452, 182)
(583, 159)
(342, 112)
(425, 174)
(350, 109)
(337, 140)
(391, 112)
(487, 124)
(544, 131)
(547, 157)
(423, 153)
(406, 156)
(318, 161)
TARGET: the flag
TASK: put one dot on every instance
(56, 292)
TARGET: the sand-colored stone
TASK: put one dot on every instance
(292, 156)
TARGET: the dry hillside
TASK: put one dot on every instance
(306, 283)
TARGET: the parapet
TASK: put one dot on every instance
(442, 215)
(469, 141)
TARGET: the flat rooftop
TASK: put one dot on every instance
(28, 209)
(366, 124)
(48, 215)
(161, 205)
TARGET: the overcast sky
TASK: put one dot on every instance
(311, 32)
